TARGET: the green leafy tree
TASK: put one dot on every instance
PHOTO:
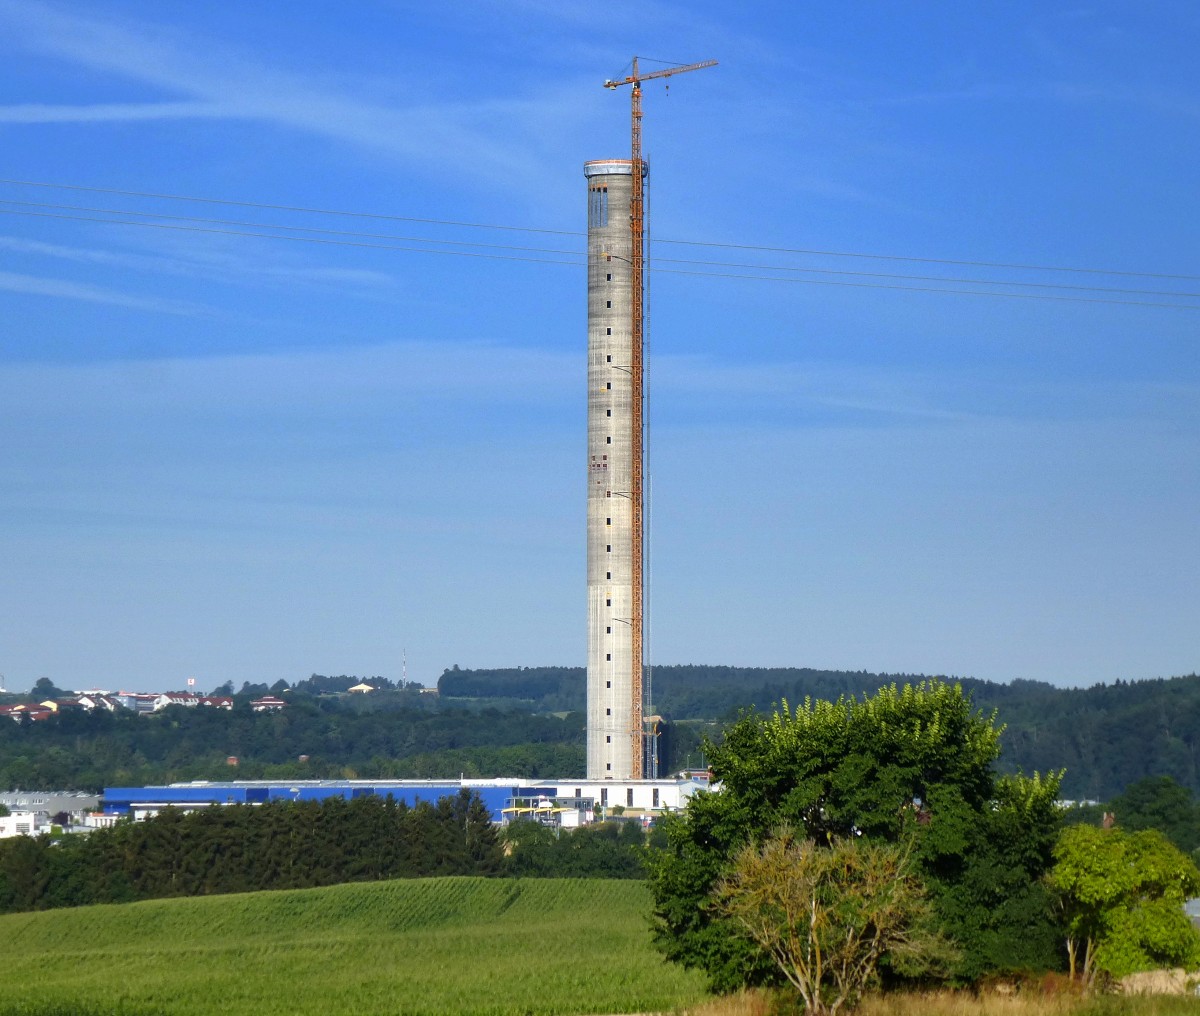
(1122, 897)
(912, 763)
(829, 916)
(44, 688)
(601, 850)
(256, 690)
(25, 873)
(1158, 802)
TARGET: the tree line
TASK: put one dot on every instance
(301, 845)
(244, 848)
(395, 738)
(613, 849)
(1105, 737)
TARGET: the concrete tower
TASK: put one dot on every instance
(613, 705)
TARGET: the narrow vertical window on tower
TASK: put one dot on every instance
(598, 210)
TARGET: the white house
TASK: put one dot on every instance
(176, 699)
(24, 823)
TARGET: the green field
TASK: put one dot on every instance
(443, 945)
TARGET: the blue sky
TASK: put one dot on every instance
(243, 458)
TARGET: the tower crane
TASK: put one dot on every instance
(637, 259)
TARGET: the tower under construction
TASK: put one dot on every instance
(614, 580)
(616, 740)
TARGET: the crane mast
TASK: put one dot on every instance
(637, 387)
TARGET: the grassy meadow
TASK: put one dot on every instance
(453, 946)
(442, 945)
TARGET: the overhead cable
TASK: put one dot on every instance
(971, 263)
(327, 241)
(795, 269)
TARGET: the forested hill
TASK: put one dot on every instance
(503, 722)
(682, 692)
(390, 735)
(1105, 736)
(696, 692)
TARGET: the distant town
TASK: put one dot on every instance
(44, 700)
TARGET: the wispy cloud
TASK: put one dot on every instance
(81, 254)
(33, 285)
(685, 391)
(382, 380)
(197, 259)
(32, 113)
(802, 388)
(1073, 92)
(219, 80)
(793, 393)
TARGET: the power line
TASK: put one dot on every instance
(937, 261)
(276, 225)
(564, 232)
(281, 236)
(578, 264)
(935, 289)
(576, 253)
(654, 268)
(288, 208)
(938, 278)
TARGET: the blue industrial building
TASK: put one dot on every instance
(561, 802)
(141, 802)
